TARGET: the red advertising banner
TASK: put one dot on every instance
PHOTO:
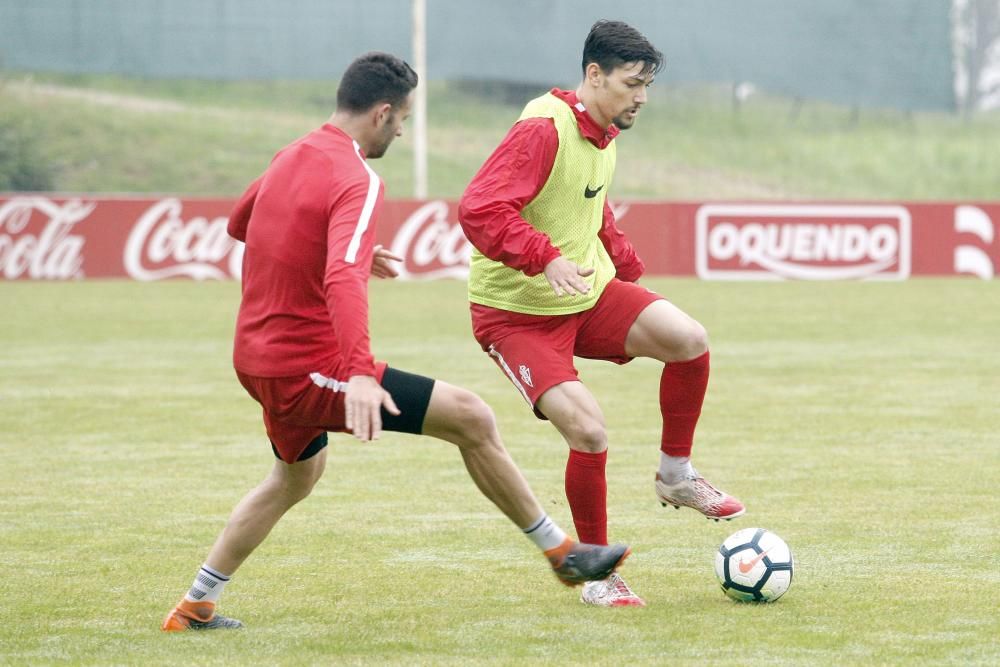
(46, 237)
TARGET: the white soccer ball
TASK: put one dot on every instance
(754, 565)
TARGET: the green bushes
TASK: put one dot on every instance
(23, 165)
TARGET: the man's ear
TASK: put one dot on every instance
(593, 74)
(382, 113)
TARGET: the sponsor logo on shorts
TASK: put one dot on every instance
(804, 242)
(495, 353)
(525, 373)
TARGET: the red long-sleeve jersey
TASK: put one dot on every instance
(490, 210)
(309, 224)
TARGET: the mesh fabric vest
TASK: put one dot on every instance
(563, 211)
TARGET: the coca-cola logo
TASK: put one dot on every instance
(164, 245)
(432, 246)
(51, 254)
(805, 242)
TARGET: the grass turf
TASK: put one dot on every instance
(857, 420)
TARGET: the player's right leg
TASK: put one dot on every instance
(575, 413)
(536, 355)
(253, 517)
(462, 418)
(250, 522)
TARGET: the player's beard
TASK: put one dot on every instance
(624, 121)
(380, 148)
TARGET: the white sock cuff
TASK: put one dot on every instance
(207, 586)
(545, 533)
(214, 573)
(675, 468)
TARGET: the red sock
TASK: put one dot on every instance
(587, 492)
(682, 391)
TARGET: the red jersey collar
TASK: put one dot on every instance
(591, 131)
(330, 127)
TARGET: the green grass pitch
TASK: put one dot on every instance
(859, 421)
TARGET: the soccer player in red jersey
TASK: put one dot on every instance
(552, 277)
(302, 348)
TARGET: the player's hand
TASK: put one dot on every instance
(382, 266)
(565, 277)
(362, 403)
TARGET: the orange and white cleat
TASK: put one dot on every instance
(575, 562)
(188, 615)
(610, 592)
(695, 492)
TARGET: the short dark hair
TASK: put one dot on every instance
(373, 78)
(611, 44)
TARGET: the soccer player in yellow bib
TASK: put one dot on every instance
(552, 277)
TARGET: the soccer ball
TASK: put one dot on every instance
(754, 565)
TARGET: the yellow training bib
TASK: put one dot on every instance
(569, 209)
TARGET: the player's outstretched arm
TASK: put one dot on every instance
(565, 277)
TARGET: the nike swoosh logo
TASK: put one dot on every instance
(745, 566)
(590, 194)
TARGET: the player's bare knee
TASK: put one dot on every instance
(587, 435)
(289, 492)
(475, 418)
(294, 488)
(300, 490)
(699, 339)
(694, 342)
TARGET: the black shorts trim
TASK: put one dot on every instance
(412, 395)
(314, 448)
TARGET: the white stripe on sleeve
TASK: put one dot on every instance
(366, 211)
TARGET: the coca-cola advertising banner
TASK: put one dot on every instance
(77, 237)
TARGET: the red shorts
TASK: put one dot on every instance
(536, 352)
(301, 408)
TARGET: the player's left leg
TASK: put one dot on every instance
(456, 415)
(664, 332)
